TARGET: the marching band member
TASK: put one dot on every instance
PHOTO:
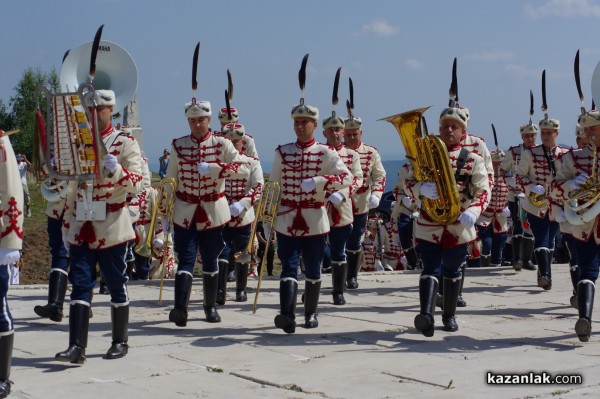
(201, 161)
(565, 229)
(492, 225)
(376, 244)
(443, 247)
(242, 193)
(534, 173)
(408, 211)
(93, 239)
(11, 240)
(229, 114)
(141, 209)
(59, 257)
(339, 206)
(574, 173)
(306, 171)
(366, 197)
(521, 243)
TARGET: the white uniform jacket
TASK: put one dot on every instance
(373, 178)
(201, 199)
(341, 215)
(302, 214)
(11, 198)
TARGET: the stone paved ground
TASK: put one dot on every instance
(366, 349)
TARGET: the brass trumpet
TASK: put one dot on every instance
(266, 212)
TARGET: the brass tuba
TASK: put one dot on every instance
(429, 160)
(589, 194)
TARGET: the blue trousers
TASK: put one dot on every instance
(338, 236)
(405, 231)
(236, 240)
(187, 243)
(544, 231)
(82, 273)
(58, 252)
(142, 265)
(441, 262)
(359, 225)
(289, 250)
(492, 243)
(517, 228)
(6, 320)
(571, 244)
(588, 256)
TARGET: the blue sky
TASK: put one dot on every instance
(398, 53)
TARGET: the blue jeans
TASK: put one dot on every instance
(359, 225)
(6, 319)
(492, 243)
(82, 273)
(58, 252)
(187, 243)
(236, 239)
(588, 256)
(544, 231)
(289, 250)
(338, 236)
(441, 262)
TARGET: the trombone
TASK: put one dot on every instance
(164, 204)
(266, 212)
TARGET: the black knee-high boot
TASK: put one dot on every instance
(79, 324)
(57, 288)
(543, 257)
(428, 288)
(574, 272)
(288, 292)
(6, 349)
(461, 303)
(527, 244)
(353, 260)
(209, 286)
(515, 244)
(585, 300)
(241, 271)
(312, 290)
(222, 288)
(451, 293)
(412, 259)
(338, 276)
(183, 290)
(120, 332)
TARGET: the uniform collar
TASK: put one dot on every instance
(203, 138)
(107, 131)
(306, 144)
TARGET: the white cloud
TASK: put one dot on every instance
(499, 55)
(379, 27)
(521, 71)
(563, 8)
(413, 64)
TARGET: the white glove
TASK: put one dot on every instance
(236, 208)
(203, 168)
(511, 181)
(538, 189)
(407, 202)
(559, 216)
(521, 195)
(9, 256)
(336, 198)
(578, 181)
(506, 212)
(308, 185)
(467, 219)
(429, 190)
(373, 201)
(158, 243)
(110, 163)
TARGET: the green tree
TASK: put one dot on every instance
(23, 105)
(6, 118)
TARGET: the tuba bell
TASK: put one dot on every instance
(430, 161)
